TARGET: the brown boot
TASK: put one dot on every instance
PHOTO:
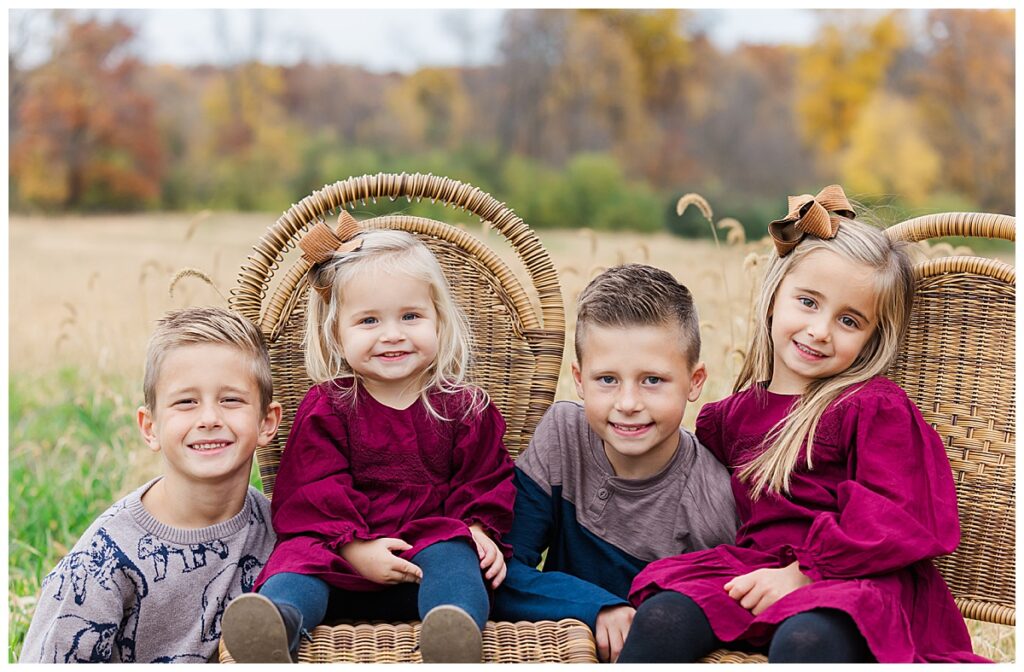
(450, 635)
(254, 630)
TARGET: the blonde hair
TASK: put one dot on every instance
(894, 297)
(210, 325)
(393, 252)
(634, 295)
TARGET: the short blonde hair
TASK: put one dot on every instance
(393, 252)
(894, 296)
(637, 295)
(207, 325)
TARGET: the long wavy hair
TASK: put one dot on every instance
(894, 296)
(393, 253)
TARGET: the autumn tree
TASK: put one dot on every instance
(746, 136)
(966, 96)
(889, 153)
(248, 144)
(86, 136)
(840, 72)
(430, 108)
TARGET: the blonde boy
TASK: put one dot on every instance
(610, 485)
(149, 579)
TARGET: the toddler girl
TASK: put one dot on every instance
(394, 489)
(844, 492)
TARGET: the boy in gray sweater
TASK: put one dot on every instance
(149, 579)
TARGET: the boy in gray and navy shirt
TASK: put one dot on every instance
(149, 580)
(608, 486)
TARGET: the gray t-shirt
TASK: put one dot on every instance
(134, 590)
(687, 506)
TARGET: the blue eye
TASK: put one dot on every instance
(848, 321)
(606, 380)
(808, 302)
(368, 320)
(408, 317)
(652, 380)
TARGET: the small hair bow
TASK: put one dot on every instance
(321, 243)
(810, 215)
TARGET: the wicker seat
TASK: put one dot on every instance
(519, 337)
(958, 365)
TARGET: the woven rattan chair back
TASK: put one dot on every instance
(957, 364)
(518, 336)
(518, 341)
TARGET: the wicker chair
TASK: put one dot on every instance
(519, 340)
(958, 364)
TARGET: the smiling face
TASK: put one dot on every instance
(635, 382)
(388, 327)
(822, 316)
(206, 420)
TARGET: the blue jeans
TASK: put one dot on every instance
(451, 575)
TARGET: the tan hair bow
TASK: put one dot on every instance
(810, 215)
(320, 244)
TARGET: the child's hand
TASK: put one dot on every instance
(612, 627)
(762, 588)
(376, 560)
(491, 559)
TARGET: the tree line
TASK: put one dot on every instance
(588, 117)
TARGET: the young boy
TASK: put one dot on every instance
(609, 486)
(149, 579)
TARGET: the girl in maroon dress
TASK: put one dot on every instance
(394, 488)
(844, 492)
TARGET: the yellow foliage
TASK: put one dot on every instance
(840, 72)
(431, 108)
(888, 153)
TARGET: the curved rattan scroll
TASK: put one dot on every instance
(254, 278)
(970, 224)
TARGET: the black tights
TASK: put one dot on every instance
(671, 628)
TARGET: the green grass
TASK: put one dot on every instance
(74, 450)
(69, 459)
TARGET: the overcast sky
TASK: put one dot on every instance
(381, 40)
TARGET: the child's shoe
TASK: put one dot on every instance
(256, 631)
(450, 635)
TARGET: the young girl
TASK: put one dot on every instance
(394, 489)
(843, 490)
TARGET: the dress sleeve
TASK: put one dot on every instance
(709, 430)
(482, 488)
(898, 505)
(78, 620)
(314, 494)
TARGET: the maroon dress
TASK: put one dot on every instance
(364, 470)
(863, 524)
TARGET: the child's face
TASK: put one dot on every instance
(822, 317)
(207, 421)
(635, 383)
(387, 326)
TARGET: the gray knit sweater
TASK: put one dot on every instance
(135, 590)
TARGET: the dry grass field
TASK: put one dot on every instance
(85, 292)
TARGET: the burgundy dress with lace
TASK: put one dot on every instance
(362, 470)
(863, 524)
